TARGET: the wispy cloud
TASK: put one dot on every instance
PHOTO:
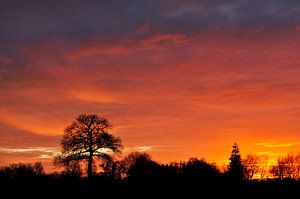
(145, 148)
(28, 150)
(276, 145)
(45, 156)
(269, 153)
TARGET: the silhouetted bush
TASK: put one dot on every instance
(22, 170)
(140, 165)
(195, 168)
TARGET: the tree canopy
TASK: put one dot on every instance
(88, 137)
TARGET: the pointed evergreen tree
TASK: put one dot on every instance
(235, 168)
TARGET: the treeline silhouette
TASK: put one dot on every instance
(87, 142)
(140, 165)
(137, 175)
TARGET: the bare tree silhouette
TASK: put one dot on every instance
(288, 167)
(114, 169)
(264, 160)
(87, 137)
(73, 169)
(251, 166)
(255, 166)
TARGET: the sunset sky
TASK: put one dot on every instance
(177, 79)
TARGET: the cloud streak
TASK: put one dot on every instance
(281, 145)
(27, 150)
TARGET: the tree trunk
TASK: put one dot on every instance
(90, 165)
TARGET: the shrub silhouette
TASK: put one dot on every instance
(73, 169)
(140, 165)
(22, 170)
(195, 168)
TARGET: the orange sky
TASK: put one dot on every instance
(174, 94)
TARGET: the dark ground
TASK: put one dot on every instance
(100, 187)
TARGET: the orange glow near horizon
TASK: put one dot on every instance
(171, 94)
